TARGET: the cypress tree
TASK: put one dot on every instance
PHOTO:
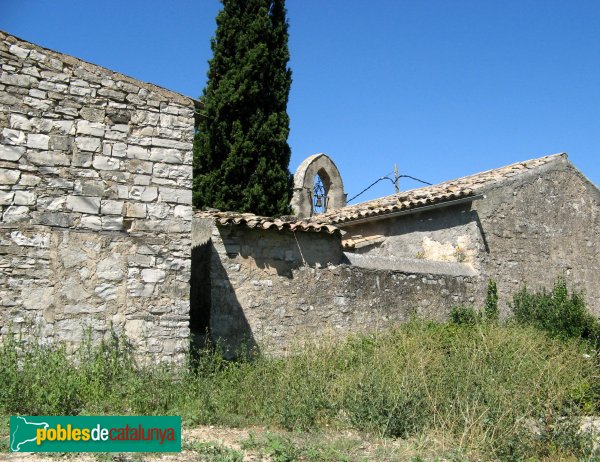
(241, 154)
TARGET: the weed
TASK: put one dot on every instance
(459, 254)
(558, 312)
(474, 385)
(492, 313)
(215, 452)
(465, 315)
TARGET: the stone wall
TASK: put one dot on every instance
(95, 200)
(542, 225)
(529, 229)
(267, 294)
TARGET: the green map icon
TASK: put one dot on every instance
(23, 431)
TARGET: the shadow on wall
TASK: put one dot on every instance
(200, 297)
(216, 316)
(282, 252)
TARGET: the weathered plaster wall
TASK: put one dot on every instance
(95, 200)
(449, 234)
(264, 294)
(544, 224)
(531, 229)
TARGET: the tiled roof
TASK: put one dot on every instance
(254, 221)
(356, 242)
(430, 195)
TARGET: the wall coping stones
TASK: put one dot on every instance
(37, 52)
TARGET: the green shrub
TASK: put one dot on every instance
(465, 315)
(558, 312)
(492, 313)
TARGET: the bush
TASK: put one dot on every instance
(492, 313)
(468, 315)
(465, 315)
(558, 312)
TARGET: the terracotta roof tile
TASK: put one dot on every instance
(407, 200)
(254, 221)
(429, 195)
(356, 242)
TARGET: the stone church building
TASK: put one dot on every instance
(97, 230)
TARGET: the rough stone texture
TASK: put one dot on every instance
(267, 293)
(528, 229)
(96, 229)
(75, 249)
(304, 180)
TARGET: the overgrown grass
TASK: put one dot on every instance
(481, 388)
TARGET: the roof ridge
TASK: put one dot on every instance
(446, 191)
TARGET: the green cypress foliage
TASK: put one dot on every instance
(241, 154)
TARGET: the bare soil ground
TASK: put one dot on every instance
(220, 444)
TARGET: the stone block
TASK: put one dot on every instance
(18, 51)
(53, 86)
(138, 166)
(135, 210)
(6, 197)
(9, 177)
(111, 207)
(143, 193)
(92, 114)
(38, 93)
(168, 143)
(85, 127)
(142, 180)
(119, 150)
(106, 291)
(159, 210)
(112, 223)
(48, 158)
(83, 204)
(137, 289)
(25, 197)
(183, 211)
(89, 188)
(169, 156)
(112, 94)
(11, 153)
(85, 143)
(82, 91)
(61, 143)
(91, 222)
(105, 163)
(59, 183)
(153, 275)
(15, 213)
(179, 196)
(141, 260)
(109, 268)
(123, 191)
(20, 122)
(82, 159)
(59, 219)
(14, 137)
(29, 180)
(172, 171)
(63, 127)
(138, 152)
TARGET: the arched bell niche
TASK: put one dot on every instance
(318, 187)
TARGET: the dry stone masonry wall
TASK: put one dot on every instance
(274, 290)
(95, 200)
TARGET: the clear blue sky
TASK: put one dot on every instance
(443, 88)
